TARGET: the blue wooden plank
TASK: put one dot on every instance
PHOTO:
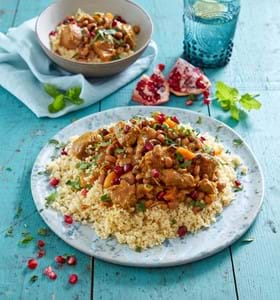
(211, 278)
(255, 68)
(7, 13)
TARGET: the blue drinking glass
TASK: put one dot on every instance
(209, 30)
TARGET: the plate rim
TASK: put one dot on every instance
(158, 264)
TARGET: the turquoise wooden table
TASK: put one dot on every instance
(242, 271)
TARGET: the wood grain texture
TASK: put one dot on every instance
(255, 68)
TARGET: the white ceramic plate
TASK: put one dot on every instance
(230, 225)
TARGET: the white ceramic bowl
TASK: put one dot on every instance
(55, 13)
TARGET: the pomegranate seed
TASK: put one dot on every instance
(41, 253)
(104, 131)
(160, 118)
(52, 275)
(161, 67)
(114, 23)
(148, 146)
(126, 128)
(189, 102)
(174, 119)
(47, 270)
(84, 192)
(202, 138)
(68, 219)
(71, 260)
(60, 259)
(54, 181)
(116, 181)
(194, 195)
(52, 33)
(119, 170)
(121, 19)
(155, 173)
(160, 195)
(63, 152)
(206, 101)
(182, 230)
(237, 183)
(73, 278)
(41, 243)
(32, 263)
(127, 168)
(199, 83)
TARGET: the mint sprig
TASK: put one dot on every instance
(59, 97)
(230, 100)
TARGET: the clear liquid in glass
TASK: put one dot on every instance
(209, 30)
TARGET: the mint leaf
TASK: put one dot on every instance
(225, 92)
(51, 90)
(57, 104)
(50, 199)
(249, 102)
(105, 198)
(234, 112)
(73, 95)
(140, 207)
(26, 239)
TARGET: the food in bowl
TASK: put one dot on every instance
(143, 180)
(100, 37)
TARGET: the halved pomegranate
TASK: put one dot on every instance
(152, 90)
(185, 79)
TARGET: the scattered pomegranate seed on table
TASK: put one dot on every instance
(68, 219)
(202, 138)
(71, 260)
(32, 263)
(41, 253)
(60, 259)
(47, 270)
(189, 103)
(52, 275)
(41, 244)
(237, 183)
(73, 278)
(161, 67)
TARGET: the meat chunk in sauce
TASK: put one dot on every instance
(207, 186)
(71, 36)
(153, 159)
(80, 145)
(123, 194)
(105, 50)
(208, 165)
(180, 180)
(126, 136)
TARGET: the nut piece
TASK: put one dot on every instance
(136, 29)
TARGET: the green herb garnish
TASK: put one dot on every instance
(249, 240)
(33, 278)
(179, 157)
(43, 231)
(26, 239)
(18, 212)
(207, 149)
(140, 207)
(105, 198)
(50, 199)
(138, 249)
(83, 165)
(8, 169)
(200, 204)
(10, 231)
(230, 99)
(185, 164)
(60, 97)
(173, 221)
(119, 151)
(75, 184)
(199, 120)
(54, 142)
(237, 142)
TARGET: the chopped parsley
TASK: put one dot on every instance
(75, 184)
(43, 231)
(105, 198)
(199, 120)
(200, 204)
(173, 221)
(33, 278)
(185, 164)
(50, 199)
(140, 207)
(54, 142)
(119, 151)
(237, 142)
(18, 212)
(9, 169)
(27, 238)
(83, 165)
(138, 249)
(207, 149)
(179, 157)
(10, 231)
